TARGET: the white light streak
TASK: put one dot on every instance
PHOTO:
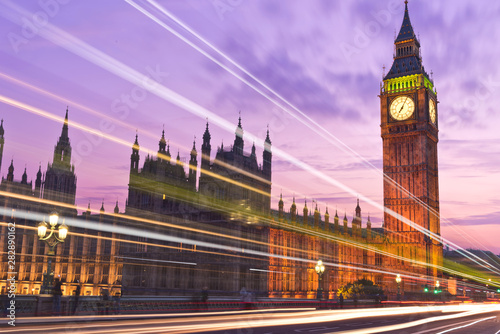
(475, 322)
(59, 37)
(152, 260)
(308, 122)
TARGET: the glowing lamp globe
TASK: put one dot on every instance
(53, 218)
(42, 229)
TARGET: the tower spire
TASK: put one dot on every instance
(163, 143)
(64, 133)
(10, 175)
(406, 32)
(134, 158)
(238, 140)
(407, 59)
(62, 151)
(205, 149)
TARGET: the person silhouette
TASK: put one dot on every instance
(78, 290)
(57, 293)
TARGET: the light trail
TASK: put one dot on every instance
(65, 100)
(133, 232)
(303, 230)
(59, 119)
(464, 326)
(153, 260)
(142, 220)
(94, 112)
(100, 59)
(298, 228)
(272, 271)
(127, 241)
(156, 236)
(117, 140)
(310, 123)
(219, 321)
(110, 64)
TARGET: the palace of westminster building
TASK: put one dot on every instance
(208, 223)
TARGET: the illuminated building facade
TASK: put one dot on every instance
(87, 257)
(409, 125)
(234, 178)
(218, 231)
(349, 253)
(228, 207)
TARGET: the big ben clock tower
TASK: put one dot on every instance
(409, 126)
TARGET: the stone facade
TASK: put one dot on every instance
(409, 126)
(180, 233)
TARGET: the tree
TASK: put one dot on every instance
(360, 288)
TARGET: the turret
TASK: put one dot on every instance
(10, 175)
(168, 158)
(117, 209)
(205, 150)
(88, 212)
(24, 178)
(193, 167)
(336, 227)
(281, 214)
(162, 146)
(38, 182)
(356, 221)
(62, 151)
(178, 160)
(346, 231)
(60, 179)
(316, 217)
(358, 210)
(238, 140)
(327, 220)
(368, 229)
(134, 158)
(267, 157)
(305, 211)
(293, 211)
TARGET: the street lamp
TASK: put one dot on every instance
(320, 269)
(57, 235)
(398, 280)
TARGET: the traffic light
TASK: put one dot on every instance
(426, 289)
(498, 290)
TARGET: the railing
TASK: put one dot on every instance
(29, 305)
(43, 305)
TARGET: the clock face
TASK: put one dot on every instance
(432, 111)
(402, 108)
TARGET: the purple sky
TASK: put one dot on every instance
(324, 57)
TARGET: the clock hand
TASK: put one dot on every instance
(403, 105)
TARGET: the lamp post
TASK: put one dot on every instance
(320, 269)
(398, 280)
(56, 235)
